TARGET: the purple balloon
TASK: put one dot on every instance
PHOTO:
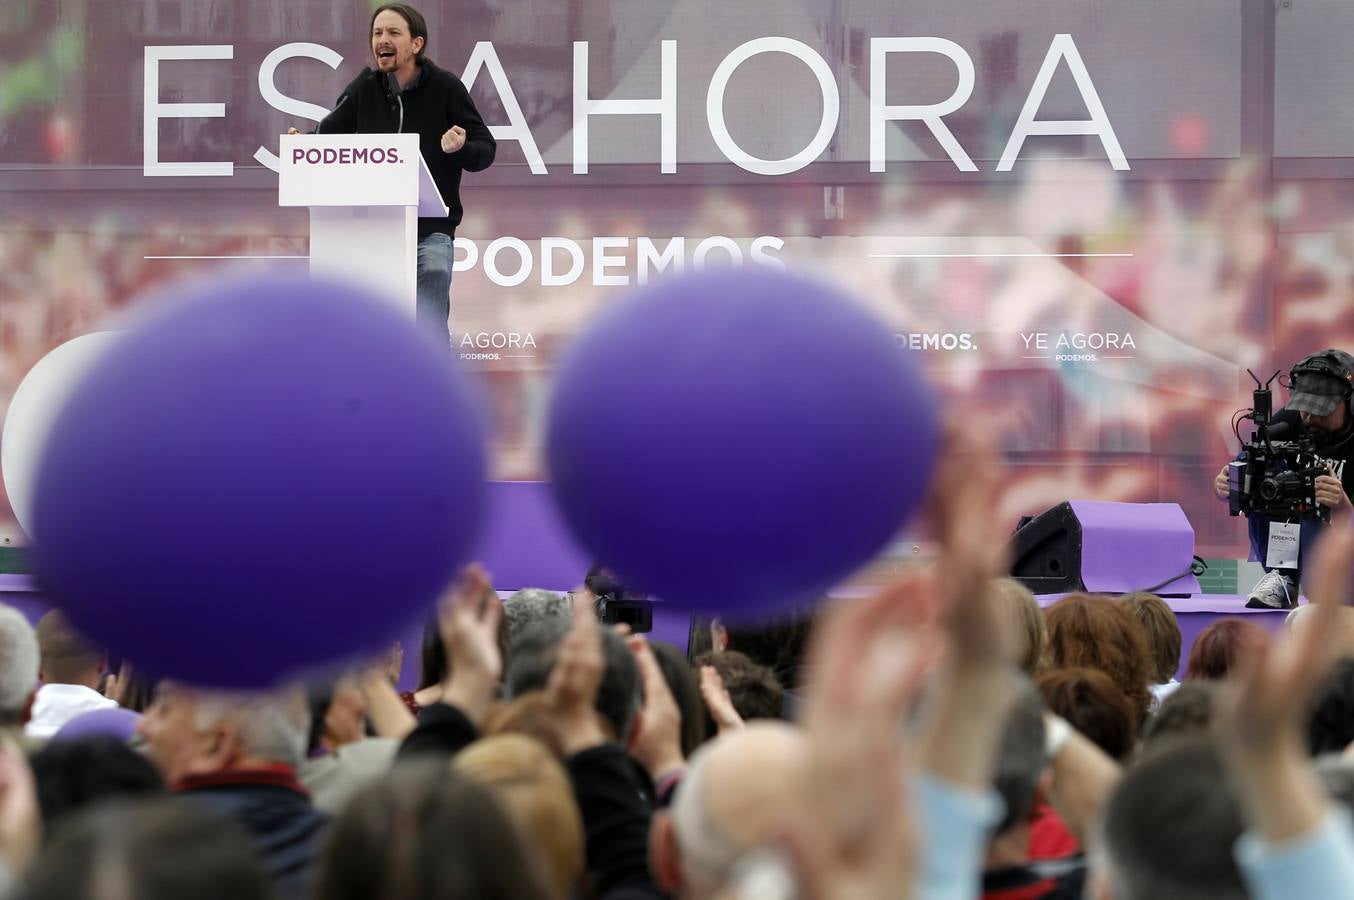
(739, 441)
(272, 473)
(114, 722)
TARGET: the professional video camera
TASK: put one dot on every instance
(1275, 477)
(616, 605)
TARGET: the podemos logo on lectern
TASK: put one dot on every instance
(345, 156)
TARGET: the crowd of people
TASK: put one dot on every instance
(945, 738)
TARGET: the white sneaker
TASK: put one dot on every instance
(1274, 591)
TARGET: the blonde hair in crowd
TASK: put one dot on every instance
(534, 790)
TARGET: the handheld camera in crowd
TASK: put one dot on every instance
(1276, 476)
(616, 605)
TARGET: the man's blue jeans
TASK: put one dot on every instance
(1311, 528)
(435, 255)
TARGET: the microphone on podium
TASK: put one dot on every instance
(393, 86)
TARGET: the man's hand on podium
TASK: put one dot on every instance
(292, 131)
(454, 139)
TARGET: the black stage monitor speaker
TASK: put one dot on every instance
(1046, 551)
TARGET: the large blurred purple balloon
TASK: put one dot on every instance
(738, 441)
(114, 722)
(288, 470)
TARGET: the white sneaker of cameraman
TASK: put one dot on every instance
(1275, 591)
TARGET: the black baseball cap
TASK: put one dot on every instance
(1317, 389)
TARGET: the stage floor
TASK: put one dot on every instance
(1221, 604)
(1194, 614)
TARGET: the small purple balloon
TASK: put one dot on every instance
(114, 722)
(270, 473)
(739, 441)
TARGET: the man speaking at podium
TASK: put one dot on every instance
(407, 92)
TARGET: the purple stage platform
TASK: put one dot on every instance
(525, 544)
(1193, 613)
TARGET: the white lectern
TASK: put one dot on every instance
(365, 193)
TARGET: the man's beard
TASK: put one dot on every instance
(1327, 439)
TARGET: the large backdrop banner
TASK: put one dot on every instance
(1086, 218)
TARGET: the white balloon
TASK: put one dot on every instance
(40, 398)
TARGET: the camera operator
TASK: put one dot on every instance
(614, 603)
(1321, 406)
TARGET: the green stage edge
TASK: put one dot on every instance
(14, 561)
(1221, 577)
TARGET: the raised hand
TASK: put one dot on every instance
(468, 617)
(658, 742)
(855, 837)
(453, 139)
(718, 701)
(1272, 688)
(394, 662)
(1261, 713)
(20, 821)
(572, 688)
(973, 550)
(115, 684)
